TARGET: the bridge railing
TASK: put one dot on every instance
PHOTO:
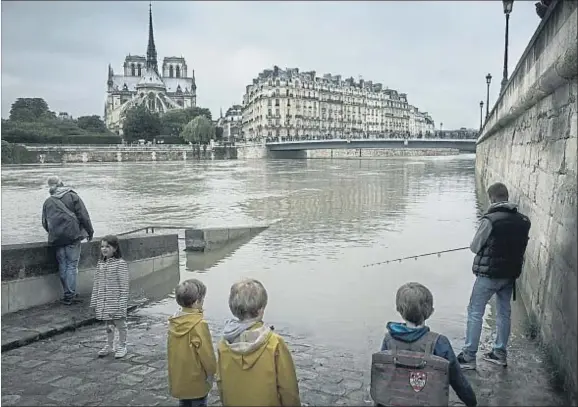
(362, 140)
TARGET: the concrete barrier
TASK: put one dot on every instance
(202, 240)
(30, 272)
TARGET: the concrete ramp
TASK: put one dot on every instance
(207, 239)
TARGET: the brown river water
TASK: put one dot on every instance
(331, 217)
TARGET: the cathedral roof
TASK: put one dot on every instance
(170, 84)
(150, 79)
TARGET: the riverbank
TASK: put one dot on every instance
(62, 154)
(64, 369)
(52, 154)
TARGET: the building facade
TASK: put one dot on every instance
(231, 123)
(141, 83)
(289, 104)
(421, 125)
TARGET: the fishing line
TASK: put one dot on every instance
(415, 257)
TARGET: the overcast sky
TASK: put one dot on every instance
(436, 52)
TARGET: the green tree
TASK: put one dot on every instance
(140, 123)
(200, 130)
(30, 109)
(174, 121)
(218, 133)
(91, 123)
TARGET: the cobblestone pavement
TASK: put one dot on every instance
(64, 370)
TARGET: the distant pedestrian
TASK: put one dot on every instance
(191, 357)
(110, 295)
(255, 367)
(499, 244)
(67, 222)
(391, 385)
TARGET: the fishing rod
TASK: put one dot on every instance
(415, 257)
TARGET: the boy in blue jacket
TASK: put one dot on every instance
(414, 302)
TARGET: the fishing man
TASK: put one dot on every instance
(67, 222)
(499, 245)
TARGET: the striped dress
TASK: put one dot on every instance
(110, 289)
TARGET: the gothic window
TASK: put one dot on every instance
(132, 69)
(139, 70)
(151, 101)
(178, 72)
(171, 71)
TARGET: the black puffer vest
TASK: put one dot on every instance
(502, 255)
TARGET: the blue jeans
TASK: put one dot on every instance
(483, 290)
(202, 402)
(67, 258)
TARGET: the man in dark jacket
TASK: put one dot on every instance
(499, 244)
(67, 222)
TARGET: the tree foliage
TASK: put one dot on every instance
(200, 130)
(219, 133)
(174, 121)
(91, 123)
(140, 123)
(30, 109)
(31, 122)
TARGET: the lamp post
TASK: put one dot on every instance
(488, 81)
(508, 4)
(481, 114)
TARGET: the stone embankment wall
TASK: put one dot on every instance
(259, 151)
(30, 272)
(94, 153)
(207, 239)
(529, 143)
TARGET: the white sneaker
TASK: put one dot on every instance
(105, 351)
(120, 352)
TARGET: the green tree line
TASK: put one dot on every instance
(31, 121)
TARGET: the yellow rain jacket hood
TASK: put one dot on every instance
(255, 367)
(191, 356)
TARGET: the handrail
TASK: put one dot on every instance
(153, 227)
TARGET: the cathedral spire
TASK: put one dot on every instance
(151, 50)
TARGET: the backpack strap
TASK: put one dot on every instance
(61, 205)
(431, 339)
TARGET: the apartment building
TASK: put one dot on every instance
(289, 104)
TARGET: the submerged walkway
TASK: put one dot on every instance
(63, 369)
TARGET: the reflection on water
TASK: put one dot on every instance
(155, 286)
(334, 217)
(202, 262)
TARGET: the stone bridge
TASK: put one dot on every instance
(423, 144)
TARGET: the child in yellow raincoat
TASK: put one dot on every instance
(255, 367)
(191, 356)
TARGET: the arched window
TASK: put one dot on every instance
(139, 70)
(170, 71)
(178, 72)
(151, 101)
(132, 69)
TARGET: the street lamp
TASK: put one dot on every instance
(508, 4)
(488, 81)
(481, 113)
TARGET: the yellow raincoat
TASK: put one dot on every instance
(257, 369)
(191, 356)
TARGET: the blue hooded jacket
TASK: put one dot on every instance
(442, 348)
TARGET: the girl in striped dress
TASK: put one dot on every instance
(110, 295)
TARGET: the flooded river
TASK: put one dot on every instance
(332, 217)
